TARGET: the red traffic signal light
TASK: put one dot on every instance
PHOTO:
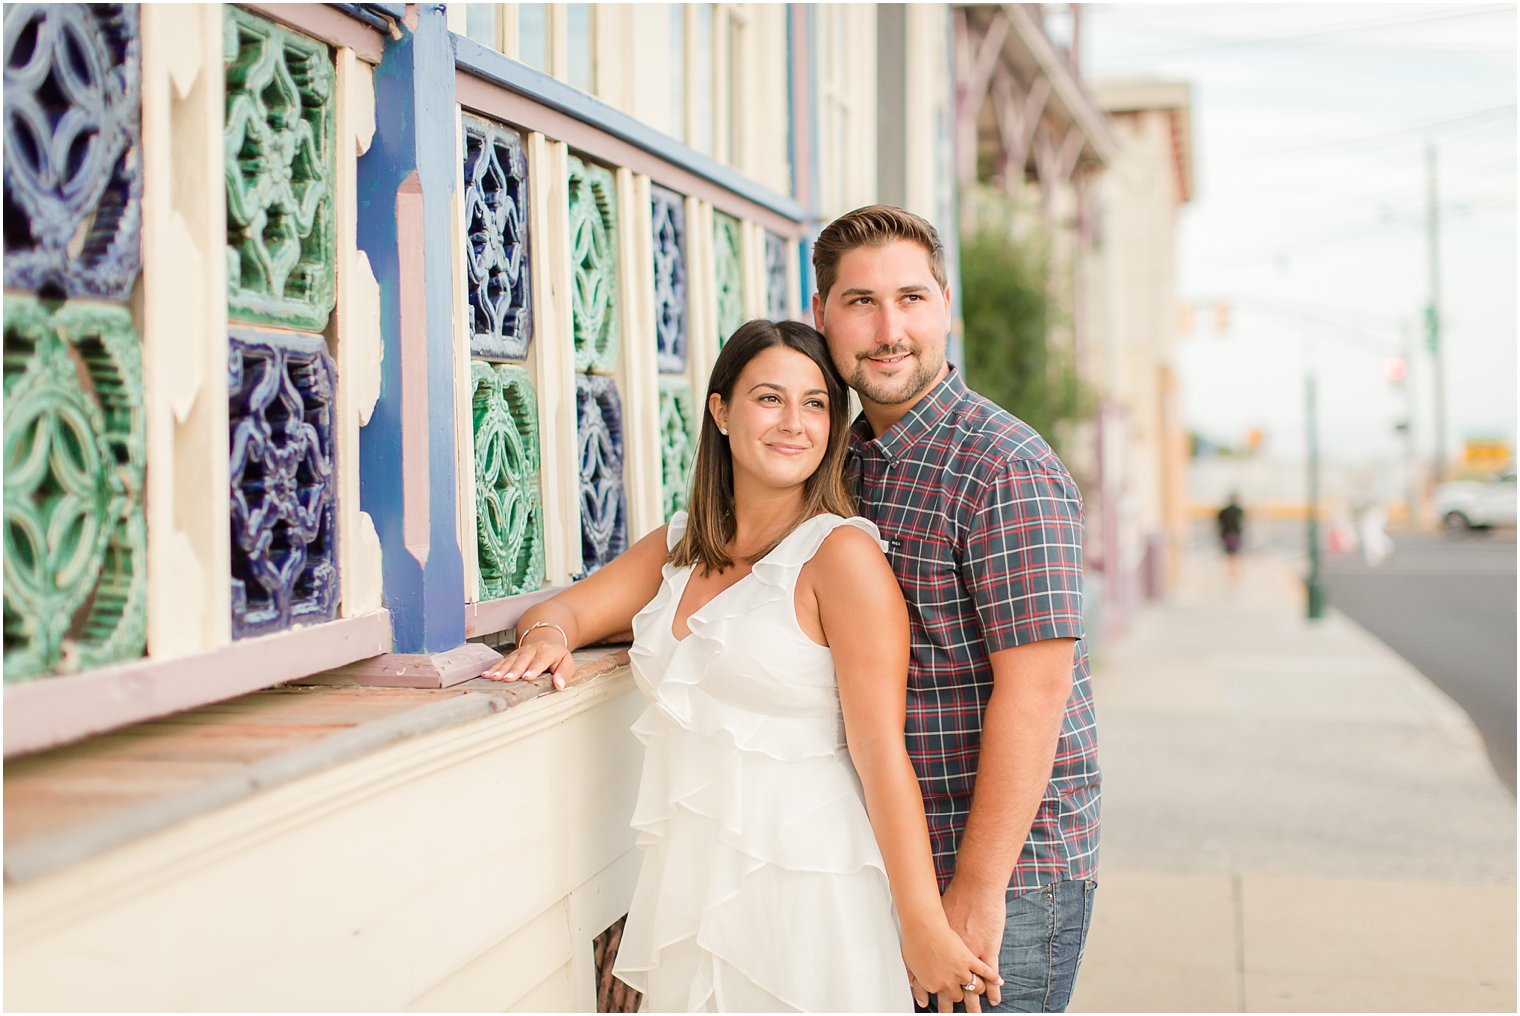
(1394, 369)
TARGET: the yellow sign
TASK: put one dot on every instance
(1485, 452)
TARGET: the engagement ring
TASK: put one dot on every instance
(970, 985)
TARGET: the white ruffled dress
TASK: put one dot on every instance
(762, 887)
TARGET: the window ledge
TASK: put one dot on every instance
(73, 803)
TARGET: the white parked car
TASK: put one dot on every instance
(1475, 504)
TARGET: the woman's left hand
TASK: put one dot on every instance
(939, 963)
(530, 659)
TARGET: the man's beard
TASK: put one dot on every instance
(896, 390)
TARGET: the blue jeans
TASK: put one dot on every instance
(1043, 941)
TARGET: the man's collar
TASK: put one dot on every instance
(916, 422)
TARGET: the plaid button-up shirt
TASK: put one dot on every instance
(984, 531)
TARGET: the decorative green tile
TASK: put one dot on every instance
(509, 522)
(281, 226)
(728, 275)
(75, 531)
(678, 442)
(593, 243)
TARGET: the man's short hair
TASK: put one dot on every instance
(874, 226)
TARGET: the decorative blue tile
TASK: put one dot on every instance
(778, 283)
(283, 482)
(669, 213)
(73, 152)
(604, 503)
(496, 241)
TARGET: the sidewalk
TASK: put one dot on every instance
(1293, 819)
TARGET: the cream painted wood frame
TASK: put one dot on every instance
(729, 67)
(846, 62)
(613, 77)
(639, 36)
(701, 301)
(693, 86)
(764, 98)
(184, 320)
(638, 367)
(185, 332)
(609, 74)
(752, 267)
(751, 82)
(551, 357)
(355, 340)
(927, 162)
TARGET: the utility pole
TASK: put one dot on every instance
(1314, 585)
(1408, 347)
(1433, 310)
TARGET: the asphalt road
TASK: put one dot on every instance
(1446, 603)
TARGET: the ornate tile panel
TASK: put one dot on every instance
(281, 226)
(669, 213)
(73, 158)
(593, 259)
(604, 503)
(728, 275)
(678, 442)
(284, 483)
(778, 281)
(509, 521)
(75, 530)
(496, 241)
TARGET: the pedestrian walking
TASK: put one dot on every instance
(1232, 524)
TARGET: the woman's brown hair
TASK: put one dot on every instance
(711, 522)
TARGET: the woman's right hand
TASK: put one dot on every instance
(940, 964)
(530, 659)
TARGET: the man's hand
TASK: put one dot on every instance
(978, 916)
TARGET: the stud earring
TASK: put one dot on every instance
(723, 431)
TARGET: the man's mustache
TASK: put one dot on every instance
(900, 349)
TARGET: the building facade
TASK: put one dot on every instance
(1142, 438)
(335, 336)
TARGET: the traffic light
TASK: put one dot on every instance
(1394, 369)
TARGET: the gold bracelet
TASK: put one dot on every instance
(544, 624)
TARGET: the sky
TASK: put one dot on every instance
(1310, 127)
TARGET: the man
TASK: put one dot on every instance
(984, 531)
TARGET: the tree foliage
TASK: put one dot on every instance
(1007, 314)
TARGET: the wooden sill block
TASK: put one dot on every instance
(412, 670)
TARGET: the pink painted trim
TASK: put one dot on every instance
(322, 22)
(413, 670)
(802, 106)
(518, 110)
(56, 710)
(492, 616)
(416, 522)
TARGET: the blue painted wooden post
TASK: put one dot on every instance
(407, 454)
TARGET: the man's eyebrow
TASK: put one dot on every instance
(917, 287)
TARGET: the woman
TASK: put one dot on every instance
(759, 621)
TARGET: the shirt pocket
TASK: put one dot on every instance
(929, 569)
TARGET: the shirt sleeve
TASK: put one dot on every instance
(1023, 557)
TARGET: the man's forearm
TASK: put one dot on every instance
(1020, 730)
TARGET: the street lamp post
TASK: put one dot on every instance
(1314, 584)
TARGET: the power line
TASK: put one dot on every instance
(1414, 128)
(1372, 229)
(1292, 38)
